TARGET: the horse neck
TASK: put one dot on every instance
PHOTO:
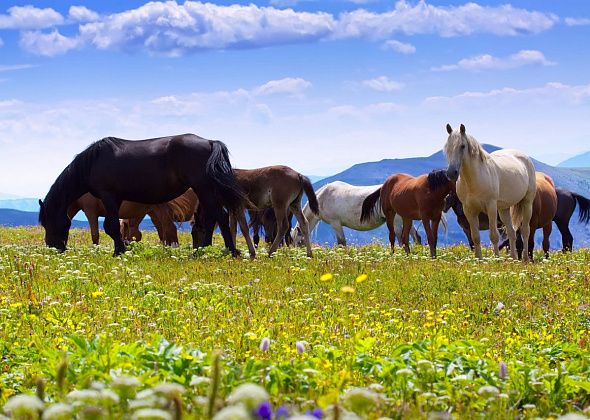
(67, 189)
(312, 219)
(470, 171)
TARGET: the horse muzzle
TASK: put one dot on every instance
(452, 174)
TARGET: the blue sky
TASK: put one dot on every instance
(317, 85)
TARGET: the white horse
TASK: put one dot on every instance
(500, 182)
(340, 205)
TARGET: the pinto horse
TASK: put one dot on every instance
(340, 206)
(145, 171)
(500, 182)
(413, 198)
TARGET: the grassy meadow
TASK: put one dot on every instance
(352, 333)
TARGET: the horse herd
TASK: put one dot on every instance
(185, 177)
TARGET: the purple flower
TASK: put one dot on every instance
(264, 411)
(265, 344)
(300, 346)
(503, 370)
(282, 411)
(316, 412)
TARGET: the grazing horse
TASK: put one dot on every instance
(164, 216)
(267, 221)
(146, 171)
(566, 204)
(500, 182)
(413, 198)
(340, 206)
(280, 188)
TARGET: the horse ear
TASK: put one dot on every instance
(449, 128)
(462, 129)
(40, 203)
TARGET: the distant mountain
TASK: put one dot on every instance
(6, 196)
(371, 173)
(22, 204)
(578, 161)
(315, 178)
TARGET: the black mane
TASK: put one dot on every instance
(437, 178)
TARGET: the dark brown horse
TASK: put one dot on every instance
(145, 171)
(566, 204)
(280, 188)
(164, 216)
(267, 221)
(413, 198)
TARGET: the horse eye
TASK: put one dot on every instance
(462, 146)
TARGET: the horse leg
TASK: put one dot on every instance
(473, 219)
(435, 224)
(241, 219)
(282, 226)
(407, 225)
(510, 232)
(202, 230)
(93, 221)
(492, 211)
(567, 240)
(214, 212)
(340, 238)
(525, 229)
(429, 236)
(415, 235)
(532, 243)
(304, 226)
(546, 234)
(111, 222)
(390, 220)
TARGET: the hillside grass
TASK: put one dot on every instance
(425, 336)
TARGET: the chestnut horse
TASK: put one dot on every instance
(413, 198)
(280, 188)
(181, 209)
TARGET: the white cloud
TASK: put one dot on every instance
(446, 21)
(1, 42)
(569, 21)
(288, 85)
(30, 17)
(48, 44)
(383, 84)
(82, 14)
(489, 62)
(399, 47)
(12, 67)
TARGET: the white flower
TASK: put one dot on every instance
(360, 400)
(235, 412)
(199, 380)
(84, 396)
(126, 386)
(250, 395)
(59, 411)
(151, 414)
(424, 365)
(169, 389)
(24, 406)
(405, 372)
(488, 391)
(498, 308)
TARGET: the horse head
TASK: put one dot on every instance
(56, 224)
(297, 236)
(456, 147)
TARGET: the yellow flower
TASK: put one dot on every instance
(361, 278)
(326, 277)
(97, 294)
(347, 289)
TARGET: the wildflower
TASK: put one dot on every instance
(265, 344)
(326, 277)
(169, 390)
(282, 411)
(488, 391)
(316, 413)
(405, 372)
(300, 346)
(236, 412)
(84, 397)
(199, 380)
(424, 365)
(498, 308)
(264, 411)
(151, 414)
(347, 289)
(503, 372)
(59, 411)
(25, 406)
(126, 386)
(360, 400)
(250, 395)
(361, 278)
(97, 294)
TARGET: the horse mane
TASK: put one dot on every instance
(437, 179)
(473, 146)
(76, 173)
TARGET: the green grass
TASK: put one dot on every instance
(159, 313)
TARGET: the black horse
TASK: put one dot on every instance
(145, 171)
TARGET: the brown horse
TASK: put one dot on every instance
(181, 209)
(267, 221)
(413, 198)
(280, 188)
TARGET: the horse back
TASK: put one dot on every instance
(516, 176)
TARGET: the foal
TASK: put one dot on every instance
(413, 198)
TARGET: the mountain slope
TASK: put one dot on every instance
(579, 161)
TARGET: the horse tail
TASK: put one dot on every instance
(310, 193)
(445, 222)
(369, 206)
(516, 212)
(584, 204)
(219, 170)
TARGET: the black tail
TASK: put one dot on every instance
(219, 170)
(584, 204)
(369, 205)
(310, 193)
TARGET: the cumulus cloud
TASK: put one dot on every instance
(288, 85)
(569, 21)
(30, 17)
(399, 47)
(48, 44)
(82, 14)
(446, 21)
(383, 84)
(489, 62)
